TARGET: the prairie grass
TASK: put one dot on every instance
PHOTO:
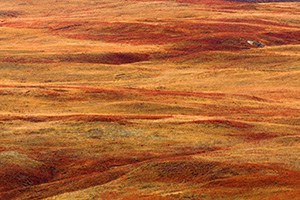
(148, 99)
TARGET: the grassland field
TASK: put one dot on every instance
(149, 100)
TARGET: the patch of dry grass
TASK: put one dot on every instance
(147, 99)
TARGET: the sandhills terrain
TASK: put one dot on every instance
(149, 99)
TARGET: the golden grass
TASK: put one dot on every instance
(147, 99)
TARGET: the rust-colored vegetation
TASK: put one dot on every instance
(149, 99)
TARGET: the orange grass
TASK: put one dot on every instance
(149, 99)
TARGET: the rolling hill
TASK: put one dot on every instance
(149, 99)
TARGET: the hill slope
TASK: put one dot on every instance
(145, 99)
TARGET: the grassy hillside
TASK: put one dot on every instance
(149, 99)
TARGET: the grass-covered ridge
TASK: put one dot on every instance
(149, 99)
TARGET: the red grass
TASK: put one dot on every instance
(226, 122)
(87, 118)
(65, 185)
(139, 33)
(86, 89)
(13, 176)
(178, 93)
(216, 174)
(255, 137)
(284, 178)
(254, 21)
(207, 2)
(213, 95)
(203, 36)
(65, 168)
(107, 58)
(280, 38)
